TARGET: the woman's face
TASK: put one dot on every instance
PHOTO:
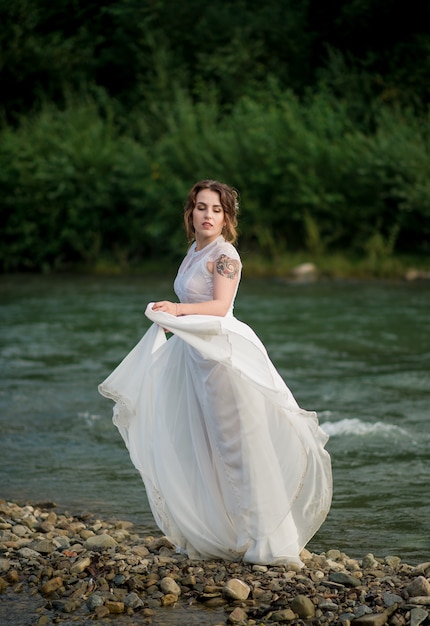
(208, 217)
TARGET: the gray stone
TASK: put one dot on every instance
(20, 530)
(140, 551)
(30, 521)
(327, 605)
(303, 606)
(100, 542)
(132, 601)
(391, 598)
(362, 610)
(52, 585)
(120, 579)
(28, 553)
(4, 565)
(46, 527)
(369, 562)
(94, 601)
(124, 524)
(372, 619)
(285, 615)
(418, 616)
(333, 554)
(80, 566)
(236, 589)
(419, 587)
(393, 561)
(259, 568)
(237, 616)
(168, 585)
(423, 568)
(71, 605)
(398, 619)
(44, 546)
(86, 534)
(344, 579)
(61, 542)
(424, 600)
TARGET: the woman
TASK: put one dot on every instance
(232, 466)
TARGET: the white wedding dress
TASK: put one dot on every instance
(233, 467)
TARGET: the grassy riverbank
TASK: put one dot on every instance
(338, 265)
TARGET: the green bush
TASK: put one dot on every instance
(60, 173)
(82, 183)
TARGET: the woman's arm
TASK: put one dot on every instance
(226, 273)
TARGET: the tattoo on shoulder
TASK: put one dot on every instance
(227, 267)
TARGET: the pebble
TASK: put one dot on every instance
(418, 616)
(132, 601)
(20, 530)
(168, 585)
(28, 553)
(419, 600)
(100, 542)
(344, 578)
(372, 619)
(419, 587)
(236, 589)
(237, 616)
(303, 606)
(4, 565)
(51, 585)
(94, 601)
(423, 568)
(286, 615)
(369, 562)
(115, 607)
(81, 567)
(391, 598)
(44, 546)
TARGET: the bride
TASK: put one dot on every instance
(232, 466)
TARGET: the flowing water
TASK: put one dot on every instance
(357, 353)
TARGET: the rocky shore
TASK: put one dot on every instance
(58, 568)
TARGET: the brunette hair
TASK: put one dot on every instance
(229, 199)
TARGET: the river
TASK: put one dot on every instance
(356, 352)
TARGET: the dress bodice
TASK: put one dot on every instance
(194, 282)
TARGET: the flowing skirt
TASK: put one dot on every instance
(232, 466)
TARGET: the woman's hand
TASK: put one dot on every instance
(166, 307)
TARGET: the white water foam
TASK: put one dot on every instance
(359, 427)
(89, 418)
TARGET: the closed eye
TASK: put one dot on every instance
(216, 209)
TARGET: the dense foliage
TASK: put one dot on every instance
(316, 112)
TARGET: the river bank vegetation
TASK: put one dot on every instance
(112, 110)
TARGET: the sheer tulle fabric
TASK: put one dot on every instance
(232, 466)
